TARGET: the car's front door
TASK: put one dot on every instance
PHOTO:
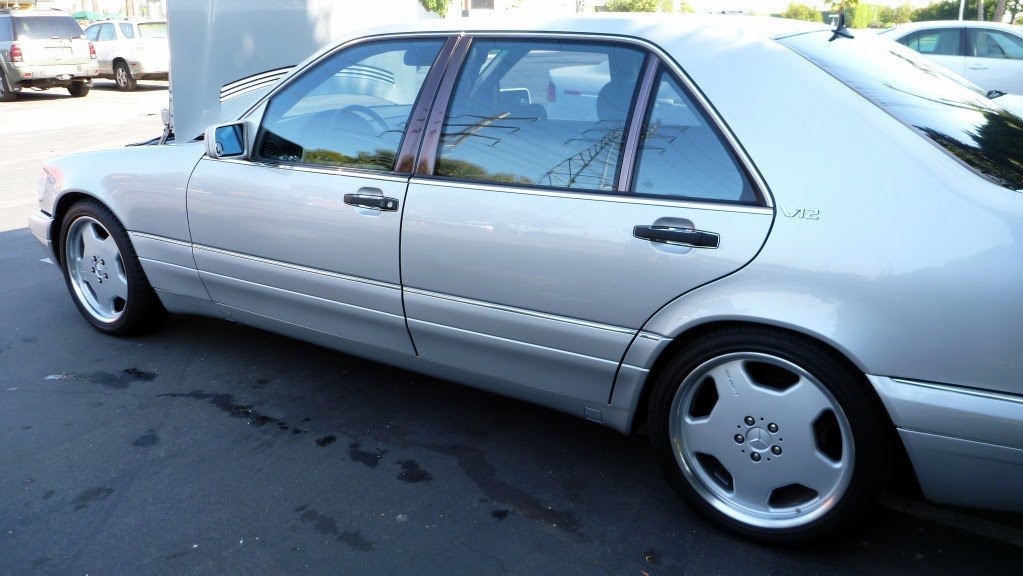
(994, 60)
(306, 229)
(526, 255)
(942, 45)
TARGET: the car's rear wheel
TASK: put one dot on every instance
(122, 76)
(7, 94)
(770, 434)
(103, 273)
(79, 89)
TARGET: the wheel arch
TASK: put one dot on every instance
(902, 466)
(64, 203)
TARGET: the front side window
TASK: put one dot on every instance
(127, 30)
(106, 32)
(984, 43)
(351, 109)
(942, 42)
(682, 156)
(967, 125)
(541, 113)
(45, 27)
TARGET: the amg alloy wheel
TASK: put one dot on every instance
(103, 273)
(770, 435)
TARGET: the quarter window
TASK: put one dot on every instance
(943, 42)
(540, 113)
(985, 43)
(681, 155)
(350, 110)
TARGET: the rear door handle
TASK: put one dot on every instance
(372, 201)
(677, 236)
(977, 67)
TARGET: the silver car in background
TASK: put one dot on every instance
(42, 49)
(790, 256)
(130, 50)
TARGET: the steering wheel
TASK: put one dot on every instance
(367, 113)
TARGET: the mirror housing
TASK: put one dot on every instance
(227, 140)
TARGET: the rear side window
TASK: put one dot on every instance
(127, 30)
(943, 42)
(153, 30)
(540, 113)
(45, 27)
(960, 120)
(107, 32)
(682, 156)
(984, 43)
(5, 29)
(92, 33)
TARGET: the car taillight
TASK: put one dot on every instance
(16, 53)
(552, 92)
(92, 51)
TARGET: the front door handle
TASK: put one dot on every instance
(372, 201)
(677, 236)
(977, 67)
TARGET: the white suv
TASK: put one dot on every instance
(129, 51)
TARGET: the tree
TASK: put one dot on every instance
(632, 5)
(439, 7)
(898, 15)
(999, 11)
(1014, 7)
(949, 10)
(802, 12)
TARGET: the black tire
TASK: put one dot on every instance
(123, 78)
(699, 478)
(140, 309)
(7, 94)
(79, 89)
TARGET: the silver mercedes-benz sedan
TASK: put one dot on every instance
(792, 256)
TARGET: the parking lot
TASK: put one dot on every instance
(213, 448)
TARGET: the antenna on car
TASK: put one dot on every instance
(840, 29)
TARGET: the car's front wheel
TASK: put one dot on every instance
(103, 273)
(79, 89)
(770, 434)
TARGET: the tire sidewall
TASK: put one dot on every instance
(867, 420)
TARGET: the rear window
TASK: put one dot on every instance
(45, 27)
(938, 105)
(5, 29)
(153, 30)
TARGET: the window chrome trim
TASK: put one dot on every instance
(313, 169)
(521, 311)
(296, 267)
(614, 197)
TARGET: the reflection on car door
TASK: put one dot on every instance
(306, 231)
(523, 258)
(943, 45)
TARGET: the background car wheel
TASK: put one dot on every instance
(103, 273)
(122, 75)
(771, 435)
(6, 93)
(79, 89)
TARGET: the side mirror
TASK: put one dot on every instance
(226, 140)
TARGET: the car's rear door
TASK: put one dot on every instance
(994, 60)
(305, 230)
(534, 248)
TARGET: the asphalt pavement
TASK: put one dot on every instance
(212, 448)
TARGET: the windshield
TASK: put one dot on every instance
(946, 110)
(45, 27)
(153, 30)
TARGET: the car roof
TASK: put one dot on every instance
(127, 20)
(913, 26)
(655, 27)
(33, 12)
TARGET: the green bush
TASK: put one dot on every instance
(802, 12)
(949, 10)
(632, 5)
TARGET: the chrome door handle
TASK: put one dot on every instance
(677, 236)
(372, 201)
